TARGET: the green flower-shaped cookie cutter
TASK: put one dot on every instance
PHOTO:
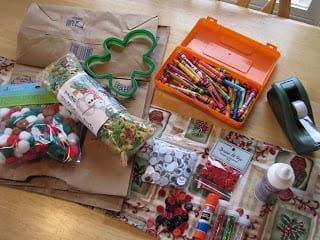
(123, 43)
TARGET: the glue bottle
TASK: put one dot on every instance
(279, 177)
(206, 216)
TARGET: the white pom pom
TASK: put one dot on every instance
(3, 112)
(64, 112)
(31, 118)
(2, 158)
(17, 153)
(23, 146)
(73, 138)
(3, 139)
(24, 135)
(7, 131)
(74, 117)
(25, 109)
(17, 114)
(40, 117)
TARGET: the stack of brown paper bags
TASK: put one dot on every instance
(99, 179)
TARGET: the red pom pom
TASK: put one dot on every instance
(56, 107)
(52, 129)
(10, 160)
(41, 147)
(73, 151)
(13, 140)
(28, 156)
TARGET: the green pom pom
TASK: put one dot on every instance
(40, 125)
(36, 109)
(7, 151)
(67, 128)
(29, 113)
(12, 121)
(57, 152)
(58, 117)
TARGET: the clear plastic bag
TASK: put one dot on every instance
(169, 165)
(218, 177)
(96, 108)
(29, 133)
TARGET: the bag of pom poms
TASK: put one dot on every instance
(96, 108)
(34, 132)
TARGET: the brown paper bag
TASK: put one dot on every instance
(50, 31)
(99, 171)
(56, 188)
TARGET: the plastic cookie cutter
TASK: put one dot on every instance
(107, 56)
(291, 105)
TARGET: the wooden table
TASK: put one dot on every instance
(25, 215)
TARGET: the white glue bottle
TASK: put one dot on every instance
(279, 177)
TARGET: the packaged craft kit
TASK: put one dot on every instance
(219, 71)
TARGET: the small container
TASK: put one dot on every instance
(206, 217)
(245, 59)
(232, 217)
(217, 223)
(240, 228)
(279, 177)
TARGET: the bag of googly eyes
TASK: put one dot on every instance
(35, 132)
(169, 164)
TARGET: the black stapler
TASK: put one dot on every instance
(291, 106)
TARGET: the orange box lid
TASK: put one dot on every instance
(232, 50)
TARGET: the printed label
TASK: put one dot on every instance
(89, 102)
(231, 155)
(25, 94)
(265, 191)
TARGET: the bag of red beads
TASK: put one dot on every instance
(218, 177)
(35, 132)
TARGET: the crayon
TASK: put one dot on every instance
(187, 71)
(204, 99)
(247, 102)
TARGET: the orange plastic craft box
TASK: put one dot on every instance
(219, 71)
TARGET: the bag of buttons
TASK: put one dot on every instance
(33, 129)
(218, 177)
(169, 164)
